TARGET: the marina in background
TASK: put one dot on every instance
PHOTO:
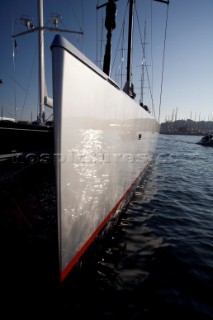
(188, 126)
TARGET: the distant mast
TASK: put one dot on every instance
(128, 87)
(110, 24)
(44, 100)
(41, 61)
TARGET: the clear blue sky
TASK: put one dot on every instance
(188, 71)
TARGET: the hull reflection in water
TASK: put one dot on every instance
(104, 142)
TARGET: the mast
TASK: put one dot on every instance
(143, 63)
(110, 25)
(129, 88)
(44, 100)
(41, 61)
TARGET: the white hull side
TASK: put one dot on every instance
(99, 150)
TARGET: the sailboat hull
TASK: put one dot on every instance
(104, 142)
(23, 138)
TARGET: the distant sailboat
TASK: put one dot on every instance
(36, 136)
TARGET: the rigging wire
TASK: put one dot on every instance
(99, 59)
(121, 36)
(14, 85)
(97, 33)
(75, 15)
(14, 71)
(152, 62)
(82, 10)
(142, 66)
(143, 48)
(163, 61)
(71, 10)
(27, 89)
(122, 56)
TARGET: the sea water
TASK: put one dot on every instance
(158, 260)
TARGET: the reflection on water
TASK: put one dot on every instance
(158, 261)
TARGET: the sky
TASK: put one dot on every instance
(178, 86)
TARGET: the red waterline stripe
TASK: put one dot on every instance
(73, 262)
